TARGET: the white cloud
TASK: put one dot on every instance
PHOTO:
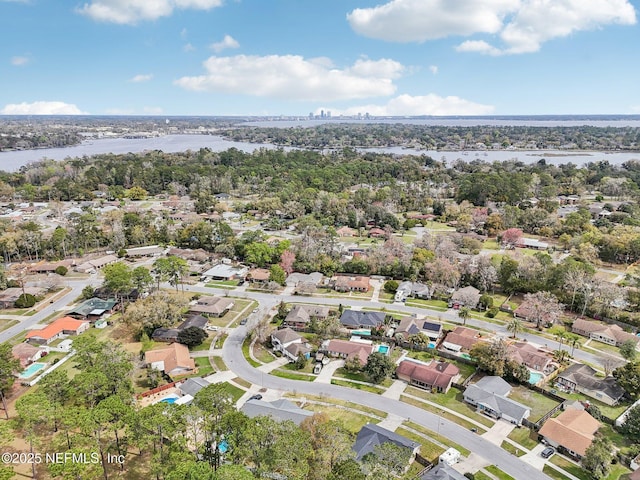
(132, 11)
(433, 69)
(41, 108)
(19, 61)
(430, 104)
(141, 78)
(227, 42)
(188, 48)
(292, 77)
(522, 25)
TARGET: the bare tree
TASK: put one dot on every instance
(543, 308)
(609, 364)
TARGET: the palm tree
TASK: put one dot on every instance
(464, 313)
(515, 326)
(560, 333)
(561, 356)
(573, 339)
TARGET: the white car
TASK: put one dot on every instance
(255, 310)
(211, 328)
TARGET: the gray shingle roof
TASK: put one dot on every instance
(371, 435)
(193, 385)
(279, 410)
(358, 318)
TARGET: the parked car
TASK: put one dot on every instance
(317, 368)
(212, 328)
(243, 321)
(547, 452)
(255, 310)
(257, 396)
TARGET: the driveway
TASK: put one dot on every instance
(327, 371)
(499, 432)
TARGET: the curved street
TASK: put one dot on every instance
(234, 359)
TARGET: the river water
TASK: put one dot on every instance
(11, 161)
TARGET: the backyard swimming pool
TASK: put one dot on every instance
(535, 377)
(170, 398)
(384, 349)
(32, 369)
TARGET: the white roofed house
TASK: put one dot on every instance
(225, 272)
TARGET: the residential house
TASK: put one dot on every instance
(433, 330)
(172, 360)
(443, 471)
(46, 267)
(258, 275)
(57, 329)
(528, 313)
(355, 319)
(281, 410)
(349, 349)
(148, 251)
(435, 376)
(289, 343)
(532, 357)
(93, 308)
(602, 332)
(296, 279)
(412, 289)
(465, 297)
(371, 435)
(346, 232)
(9, 296)
(171, 334)
(351, 284)
(413, 326)
(584, 379)
(212, 306)
(193, 385)
(489, 396)
(299, 316)
(27, 354)
(572, 431)
(377, 233)
(532, 243)
(461, 339)
(96, 264)
(226, 272)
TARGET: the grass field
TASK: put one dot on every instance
(204, 366)
(496, 472)
(538, 403)
(357, 386)
(292, 376)
(245, 351)
(350, 420)
(438, 411)
(438, 438)
(219, 363)
(522, 436)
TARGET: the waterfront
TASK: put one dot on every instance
(11, 161)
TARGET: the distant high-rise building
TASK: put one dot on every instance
(321, 113)
(328, 113)
(311, 115)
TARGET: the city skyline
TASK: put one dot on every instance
(385, 58)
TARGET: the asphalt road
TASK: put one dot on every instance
(59, 305)
(233, 357)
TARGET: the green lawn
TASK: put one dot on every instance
(358, 386)
(553, 473)
(292, 376)
(453, 401)
(225, 283)
(518, 452)
(262, 354)
(612, 412)
(538, 403)
(351, 421)
(204, 366)
(359, 377)
(496, 472)
(522, 436)
(570, 467)
(233, 391)
(438, 411)
(438, 438)
(219, 363)
(480, 475)
(6, 323)
(245, 352)
(334, 401)
(440, 305)
(428, 449)
(204, 346)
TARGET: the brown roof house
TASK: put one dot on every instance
(299, 316)
(212, 306)
(602, 332)
(435, 376)
(531, 357)
(572, 431)
(290, 344)
(26, 353)
(172, 360)
(461, 339)
(258, 275)
(351, 284)
(349, 349)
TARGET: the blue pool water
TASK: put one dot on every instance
(535, 377)
(223, 447)
(169, 400)
(32, 369)
(431, 345)
(363, 331)
(383, 349)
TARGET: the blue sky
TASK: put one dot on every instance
(293, 57)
